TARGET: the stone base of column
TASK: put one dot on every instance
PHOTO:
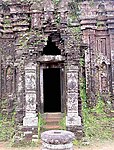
(30, 121)
(72, 119)
(25, 135)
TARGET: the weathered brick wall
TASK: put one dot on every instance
(97, 24)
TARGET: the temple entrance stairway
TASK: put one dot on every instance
(52, 121)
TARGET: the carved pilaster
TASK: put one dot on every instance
(20, 94)
(30, 118)
(73, 118)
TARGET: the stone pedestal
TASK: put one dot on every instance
(57, 140)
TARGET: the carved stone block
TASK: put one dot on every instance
(30, 101)
(30, 121)
(72, 105)
(72, 81)
(73, 119)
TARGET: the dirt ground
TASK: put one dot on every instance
(105, 145)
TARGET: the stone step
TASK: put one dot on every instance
(52, 123)
(52, 115)
(48, 120)
(51, 127)
(52, 120)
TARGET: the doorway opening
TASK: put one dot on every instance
(52, 90)
(51, 48)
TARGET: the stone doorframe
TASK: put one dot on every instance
(62, 78)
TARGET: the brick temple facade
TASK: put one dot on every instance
(45, 49)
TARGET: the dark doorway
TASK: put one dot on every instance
(51, 48)
(52, 90)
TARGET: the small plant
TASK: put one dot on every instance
(62, 123)
(76, 142)
(41, 123)
(7, 127)
(82, 62)
(56, 1)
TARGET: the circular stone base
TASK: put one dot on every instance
(46, 146)
(57, 140)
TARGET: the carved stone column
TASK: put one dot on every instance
(30, 118)
(73, 119)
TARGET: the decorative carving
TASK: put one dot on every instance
(30, 81)
(63, 10)
(30, 102)
(72, 81)
(73, 119)
(48, 11)
(72, 102)
(30, 98)
(36, 9)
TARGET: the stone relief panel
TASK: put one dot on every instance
(30, 101)
(73, 119)
(30, 81)
(72, 81)
(72, 105)
(30, 77)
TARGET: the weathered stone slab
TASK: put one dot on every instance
(30, 121)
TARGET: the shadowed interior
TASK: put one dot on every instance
(52, 91)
